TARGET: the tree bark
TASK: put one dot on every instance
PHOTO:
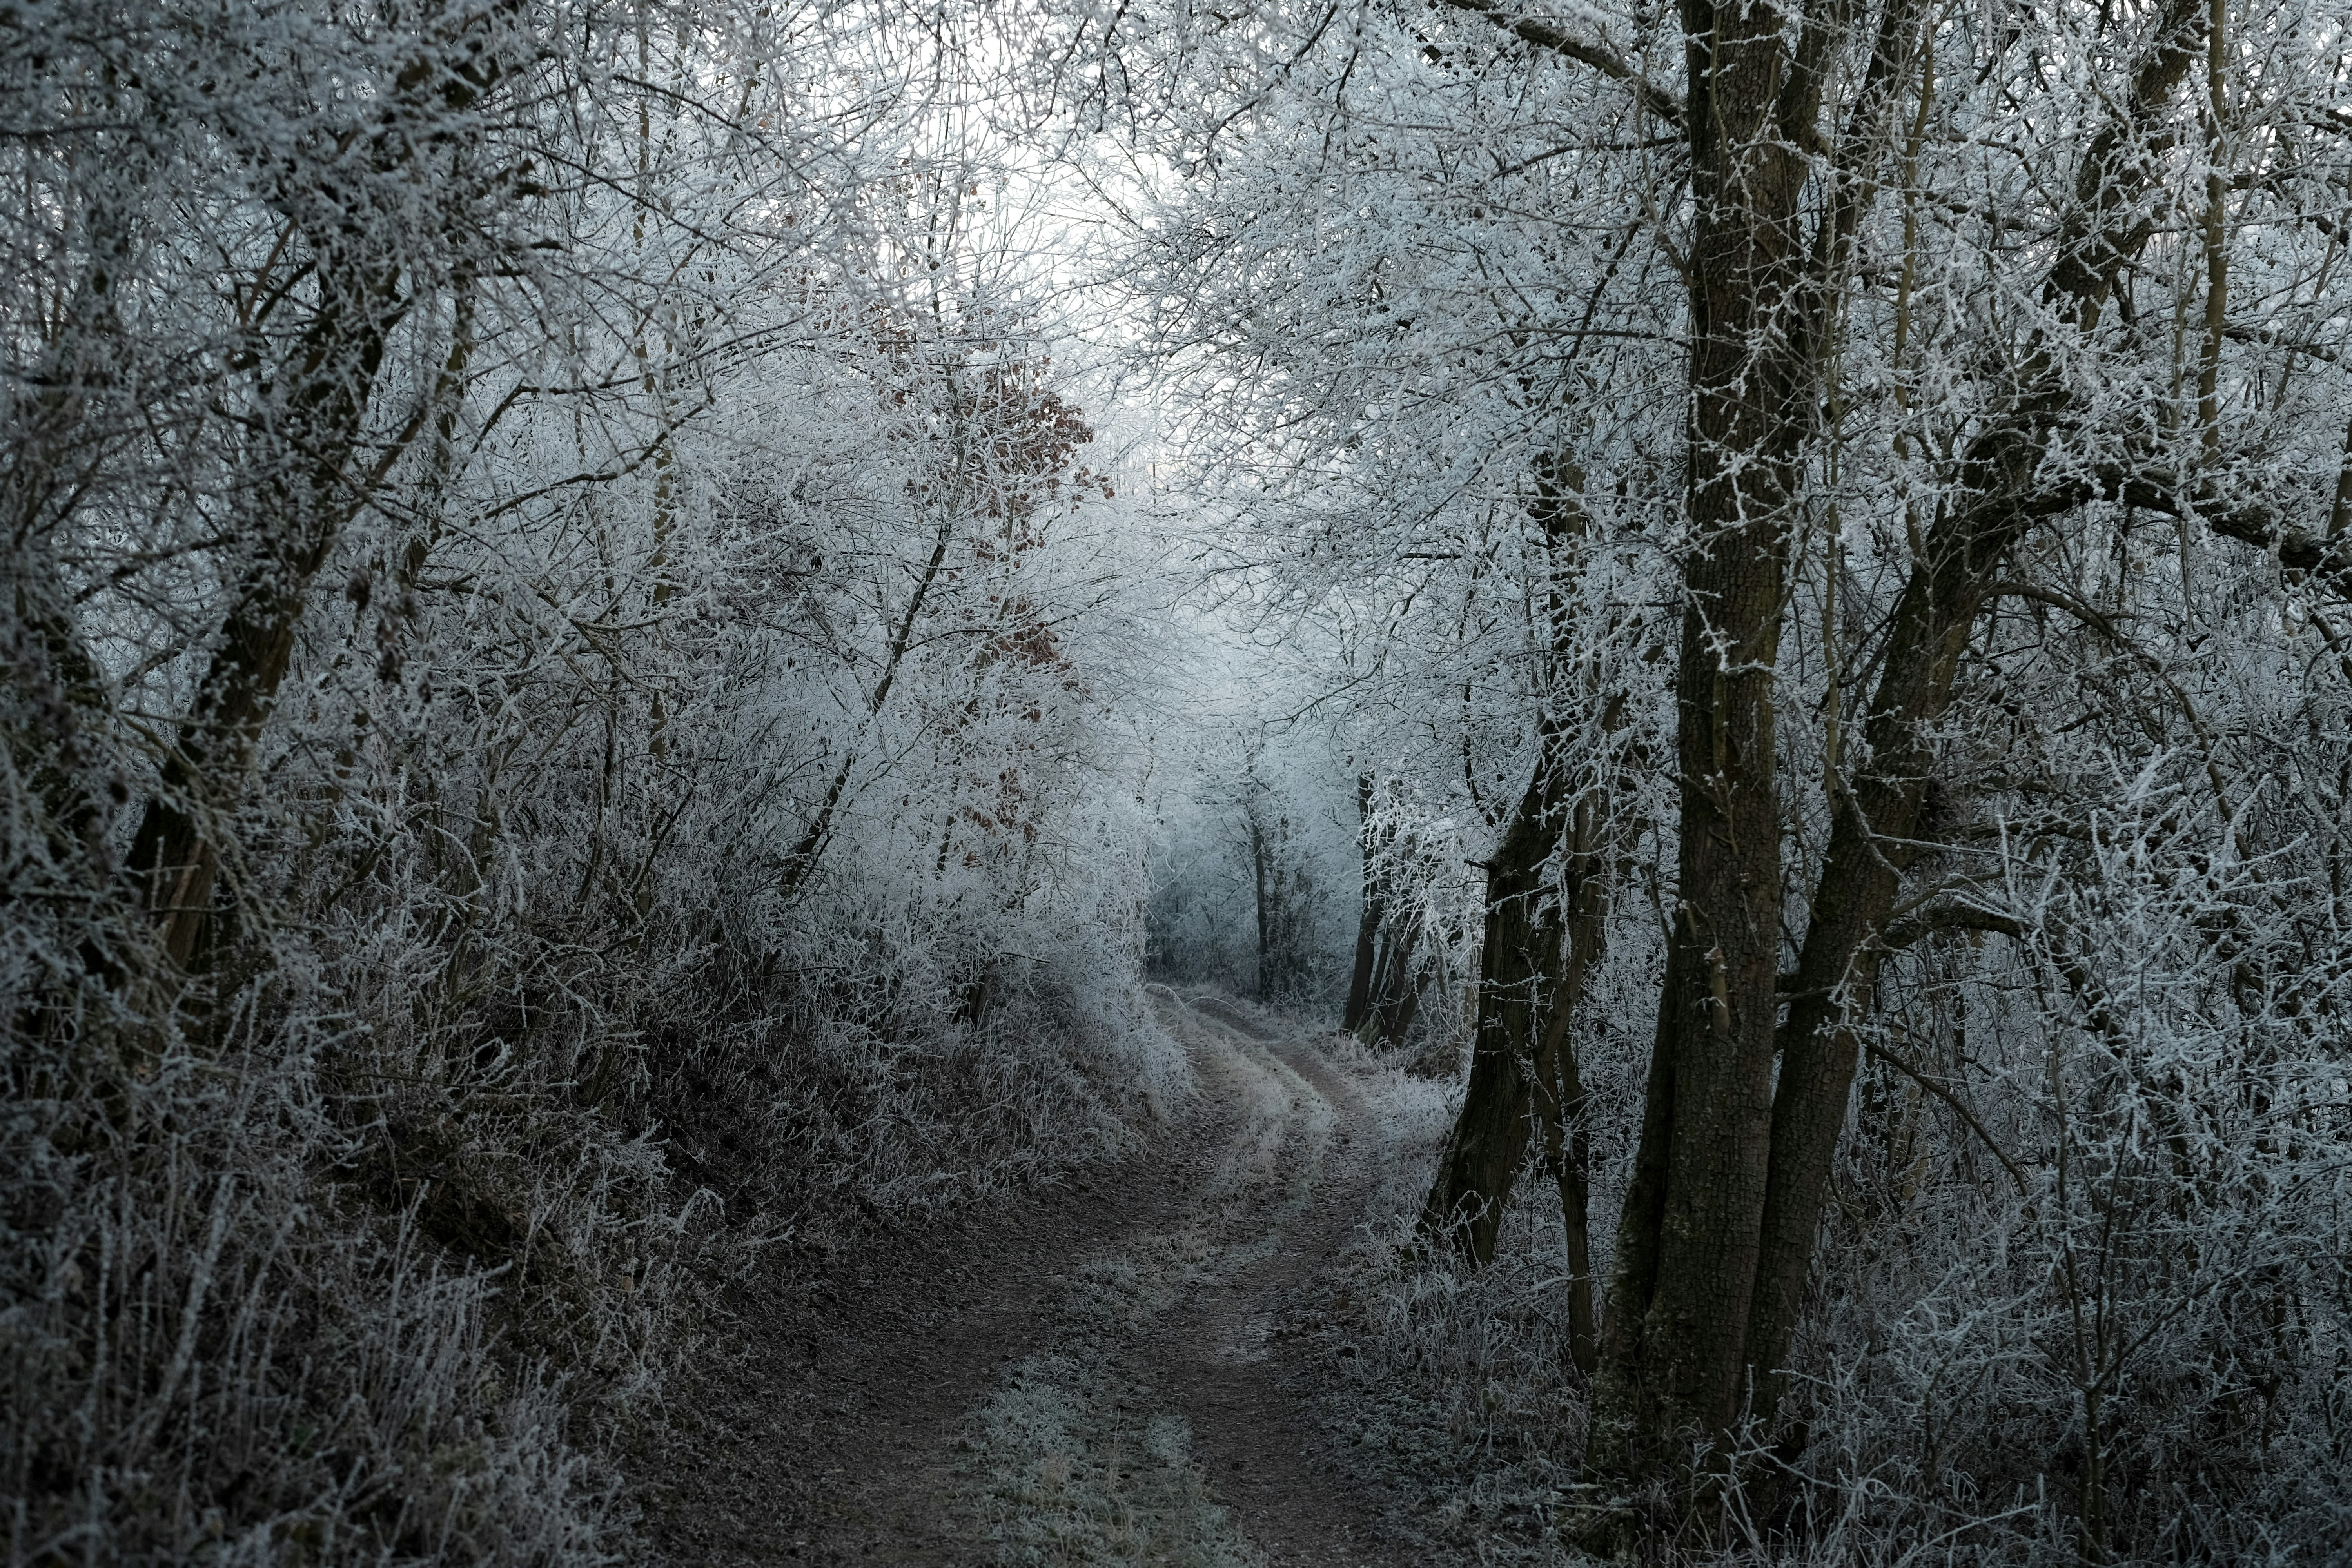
(1540, 941)
(1542, 935)
(1368, 925)
(1560, 1098)
(1261, 876)
(1519, 967)
(1690, 1235)
(1396, 983)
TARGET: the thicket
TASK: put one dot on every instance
(557, 741)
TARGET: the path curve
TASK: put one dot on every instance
(1255, 1429)
(1090, 1375)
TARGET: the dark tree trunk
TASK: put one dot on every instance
(1690, 1235)
(1541, 939)
(1558, 1088)
(1519, 964)
(1722, 1218)
(1260, 875)
(1396, 989)
(303, 501)
(1543, 932)
(1678, 1350)
(1368, 925)
(1877, 822)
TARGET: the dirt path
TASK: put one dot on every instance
(1091, 1376)
(1278, 1227)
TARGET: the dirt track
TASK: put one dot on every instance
(1094, 1375)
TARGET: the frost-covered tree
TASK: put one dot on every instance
(558, 730)
(1914, 435)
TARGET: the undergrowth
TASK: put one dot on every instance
(1456, 1391)
(384, 1243)
(1930, 1424)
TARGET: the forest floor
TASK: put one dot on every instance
(1136, 1368)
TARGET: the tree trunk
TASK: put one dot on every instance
(1723, 1213)
(1539, 941)
(1398, 978)
(1368, 925)
(1519, 961)
(1877, 822)
(304, 501)
(1558, 1086)
(1267, 888)
(1689, 1238)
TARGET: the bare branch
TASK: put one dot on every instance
(1657, 99)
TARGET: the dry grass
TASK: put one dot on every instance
(390, 1249)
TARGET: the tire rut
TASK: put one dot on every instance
(1256, 1430)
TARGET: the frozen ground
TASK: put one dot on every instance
(1177, 1362)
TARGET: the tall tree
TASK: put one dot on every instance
(1953, 300)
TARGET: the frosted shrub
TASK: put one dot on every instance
(552, 745)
